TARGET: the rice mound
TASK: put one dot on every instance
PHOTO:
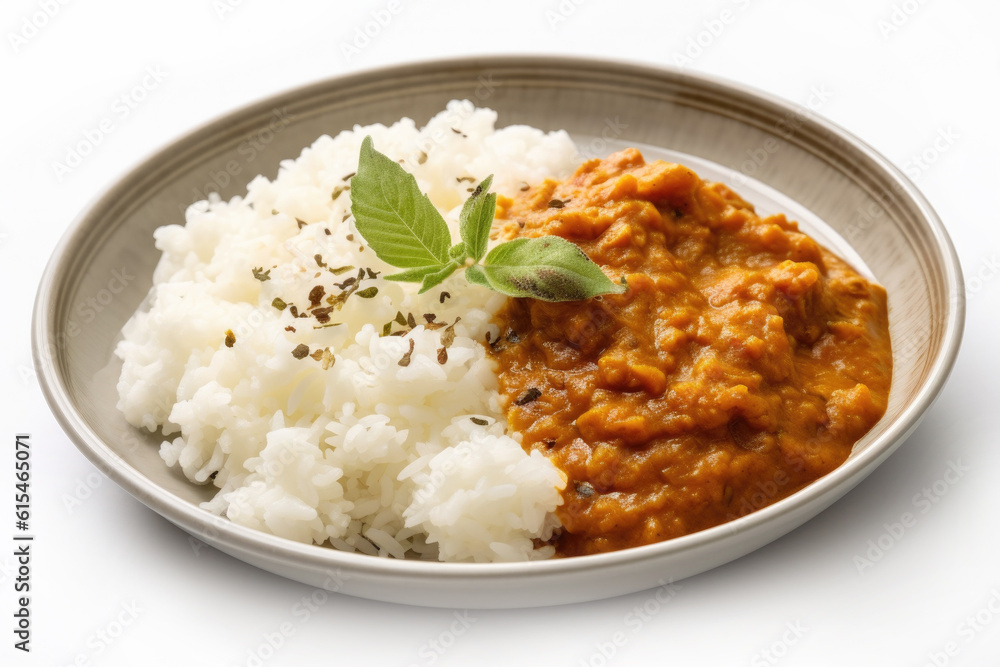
(351, 448)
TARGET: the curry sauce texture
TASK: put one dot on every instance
(743, 362)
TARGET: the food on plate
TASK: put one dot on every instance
(743, 362)
(405, 230)
(286, 364)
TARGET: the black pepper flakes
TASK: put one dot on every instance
(445, 295)
(448, 337)
(290, 328)
(325, 357)
(338, 301)
(556, 203)
(405, 361)
(327, 231)
(479, 422)
(301, 351)
(529, 396)
(316, 295)
(322, 315)
(347, 283)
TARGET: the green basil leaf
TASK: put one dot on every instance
(475, 275)
(413, 275)
(549, 268)
(396, 220)
(458, 252)
(476, 219)
(434, 279)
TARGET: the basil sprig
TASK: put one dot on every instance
(405, 230)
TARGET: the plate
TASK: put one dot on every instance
(770, 151)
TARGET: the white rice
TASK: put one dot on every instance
(366, 455)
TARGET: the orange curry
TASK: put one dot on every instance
(743, 363)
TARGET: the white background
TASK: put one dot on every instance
(911, 79)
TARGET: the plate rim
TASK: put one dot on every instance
(192, 518)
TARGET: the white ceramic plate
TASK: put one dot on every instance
(842, 190)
